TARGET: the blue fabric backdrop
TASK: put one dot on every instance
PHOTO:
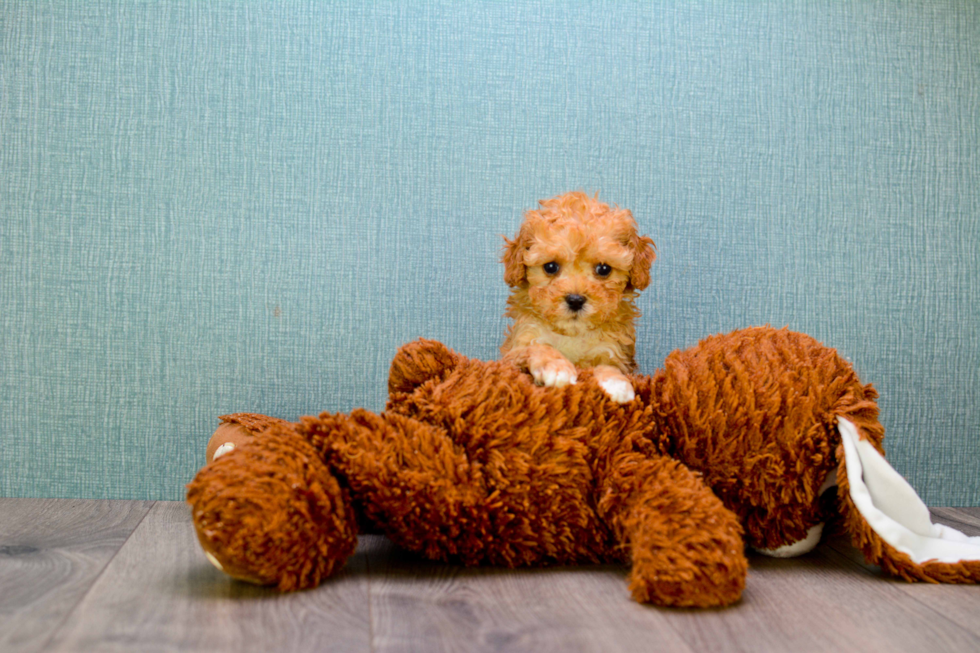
(208, 207)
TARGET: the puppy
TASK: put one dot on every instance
(574, 268)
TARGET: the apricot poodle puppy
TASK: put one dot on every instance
(575, 268)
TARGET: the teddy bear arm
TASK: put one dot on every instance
(411, 481)
(271, 512)
(684, 546)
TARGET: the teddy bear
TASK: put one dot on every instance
(756, 438)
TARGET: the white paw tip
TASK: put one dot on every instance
(562, 378)
(805, 545)
(212, 559)
(551, 378)
(222, 450)
(619, 390)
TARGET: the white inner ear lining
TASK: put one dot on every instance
(892, 509)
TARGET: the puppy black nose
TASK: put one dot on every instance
(575, 302)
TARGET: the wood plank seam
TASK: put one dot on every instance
(94, 582)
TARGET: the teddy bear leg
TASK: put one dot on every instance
(685, 547)
(271, 512)
(795, 527)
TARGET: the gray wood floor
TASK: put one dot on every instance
(129, 576)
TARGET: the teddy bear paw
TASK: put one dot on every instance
(795, 549)
(223, 449)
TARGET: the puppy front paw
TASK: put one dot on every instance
(619, 390)
(555, 373)
(615, 384)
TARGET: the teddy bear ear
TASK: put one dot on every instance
(515, 272)
(644, 254)
(417, 362)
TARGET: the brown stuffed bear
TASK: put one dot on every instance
(732, 443)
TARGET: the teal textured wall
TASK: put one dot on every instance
(208, 207)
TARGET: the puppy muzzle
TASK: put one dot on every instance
(575, 302)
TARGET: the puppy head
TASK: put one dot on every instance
(577, 257)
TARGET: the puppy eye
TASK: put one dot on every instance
(551, 267)
(603, 270)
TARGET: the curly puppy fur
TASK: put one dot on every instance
(575, 268)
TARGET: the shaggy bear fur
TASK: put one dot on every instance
(728, 445)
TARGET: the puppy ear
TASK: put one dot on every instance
(644, 254)
(515, 272)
